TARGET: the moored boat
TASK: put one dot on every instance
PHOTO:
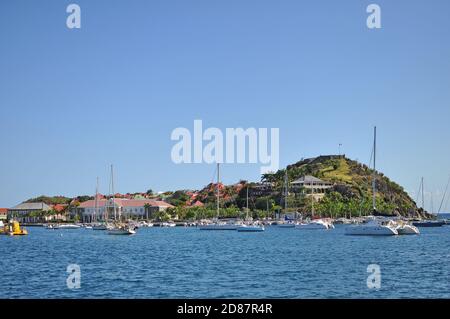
(251, 228)
(121, 230)
(429, 223)
(373, 227)
(99, 227)
(217, 225)
(315, 224)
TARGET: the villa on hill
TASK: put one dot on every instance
(311, 186)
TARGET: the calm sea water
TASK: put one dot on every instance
(189, 263)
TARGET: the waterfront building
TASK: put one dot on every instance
(93, 210)
(29, 212)
(3, 213)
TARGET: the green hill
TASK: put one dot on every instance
(352, 187)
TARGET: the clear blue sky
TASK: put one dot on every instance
(74, 101)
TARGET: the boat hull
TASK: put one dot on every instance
(429, 224)
(362, 230)
(101, 227)
(314, 225)
(120, 232)
(250, 229)
(408, 230)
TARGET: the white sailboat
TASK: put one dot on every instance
(97, 225)
(427, 223)
(217, 225)
(373, 226)
(286, 223)
(118, 228)
(248, 226)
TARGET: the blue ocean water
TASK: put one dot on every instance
(189, 263)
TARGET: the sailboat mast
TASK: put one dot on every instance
(312, 200)
(443, 197)
(432, 202)
(113, 195)
(286, 182)
(374, 188)
(423, 196)
(218, 190)
(246, 213)
(96, 202)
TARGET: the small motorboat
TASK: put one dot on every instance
(99, 227)
(121, 230)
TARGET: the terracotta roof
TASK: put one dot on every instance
(3, 210)
(59, 207)
(198, 204)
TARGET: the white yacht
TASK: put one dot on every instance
(373, 226)
(315, 224)
(217, 225)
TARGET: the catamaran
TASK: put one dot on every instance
(373, 226)
(118, 228)
(217, 225)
